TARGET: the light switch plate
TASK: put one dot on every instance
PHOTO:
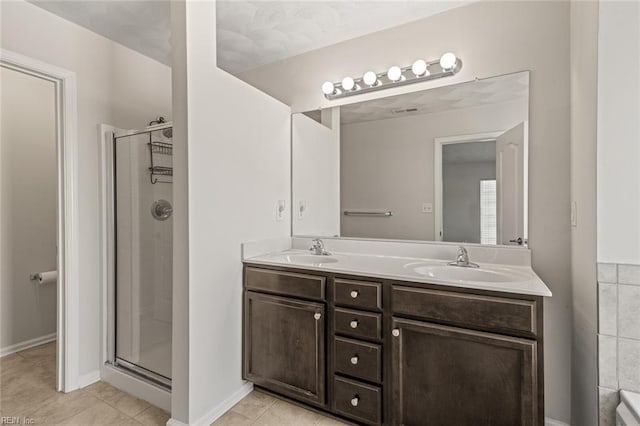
(302, 209)
(427, 208)
(280, 209)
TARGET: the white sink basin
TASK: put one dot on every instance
(456, 273)
(309, 259)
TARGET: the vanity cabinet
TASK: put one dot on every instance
(450, 375)
(284, 346)
(377, 351)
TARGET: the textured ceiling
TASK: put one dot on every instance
(254, 33)
(250, 33)
(143, 26)
(495, 90)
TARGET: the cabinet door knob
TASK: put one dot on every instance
(354, 294)
(317, 315)
(354, 401)
(354, 324)
(354, 360)
(395, 332)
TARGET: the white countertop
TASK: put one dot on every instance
(517, 279)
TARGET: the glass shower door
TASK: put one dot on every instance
(143, 246)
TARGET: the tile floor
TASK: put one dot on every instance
(261, 409)
(27, 390)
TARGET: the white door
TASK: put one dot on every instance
(510, 176)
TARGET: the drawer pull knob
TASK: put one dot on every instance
(354, 401)
(317, 315)
(395, 332)
(354, 294)
(354, 324)
(354, 360)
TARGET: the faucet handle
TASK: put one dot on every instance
(462, 253)
(317, 247)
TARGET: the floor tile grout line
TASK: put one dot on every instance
(273, 403)
(120, 411)
(238, 414)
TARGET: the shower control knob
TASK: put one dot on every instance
(395, 332)
(355, 400)
(354, 294)
(317, 315)
(354, 360)
(354, 324)
(161, 210)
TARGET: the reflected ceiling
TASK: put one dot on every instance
(507, 88)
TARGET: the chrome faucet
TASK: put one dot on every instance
(462, 259)
(317, 248)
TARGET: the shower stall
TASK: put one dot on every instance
(140, 288)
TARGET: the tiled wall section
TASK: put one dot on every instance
(618, 335)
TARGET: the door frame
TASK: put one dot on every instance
(68, 232)
(438, 143)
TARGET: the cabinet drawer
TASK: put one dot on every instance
(358, 359)
(357, 400)
(285, 283)
(359, 294)
(483, 312)
(357, 323)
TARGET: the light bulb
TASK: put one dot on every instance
(370, 78)
(328, 88)
(448, 61)
(348, 83)
(394, 74)
(419, 68)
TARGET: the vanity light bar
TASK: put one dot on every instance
(420, 70)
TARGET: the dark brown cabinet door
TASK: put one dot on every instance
(284, 346)
(450, 376)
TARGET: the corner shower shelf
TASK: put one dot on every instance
(164, 149)
(161, 171)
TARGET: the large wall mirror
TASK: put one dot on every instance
(444, 164)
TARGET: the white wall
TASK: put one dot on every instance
(316, 174)
(238, 155)
(28, 201)
(115, 86)
(619, 132)
(492, 38)
(584, 35)
(389, 165)
(618, 201)
(180, 332)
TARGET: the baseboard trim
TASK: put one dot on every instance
(553, 422)
(27, 344)
(174, 422)
(88, 379)
(217, 411)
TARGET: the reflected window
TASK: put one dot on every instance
(488, 215)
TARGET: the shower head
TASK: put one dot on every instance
(168, 132)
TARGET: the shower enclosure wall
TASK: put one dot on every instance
(140, 320)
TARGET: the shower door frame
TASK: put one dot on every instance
(113, 371)
(68, 228)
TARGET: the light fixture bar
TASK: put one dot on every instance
(434, 70)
